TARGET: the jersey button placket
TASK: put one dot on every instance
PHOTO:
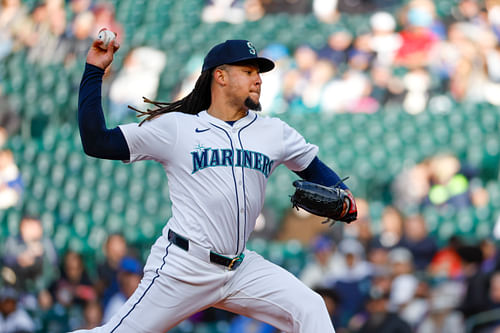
(241, 196)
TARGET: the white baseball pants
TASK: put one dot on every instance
(177, 284)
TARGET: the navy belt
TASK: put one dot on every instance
(183, 243)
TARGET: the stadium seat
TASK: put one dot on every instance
(96, 238)
(81, 225)
(61, 237)
(276, 253)
(103, 190)
(99, 213)
(52, 199)
(118, 201)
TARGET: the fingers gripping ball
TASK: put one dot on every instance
(107, 37)
(331, 202)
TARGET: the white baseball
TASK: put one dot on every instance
(106, 36)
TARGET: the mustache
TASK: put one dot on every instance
(249, 103)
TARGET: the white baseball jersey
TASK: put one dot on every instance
(217, 177)
(217, 173)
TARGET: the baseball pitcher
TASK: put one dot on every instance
(218, 154)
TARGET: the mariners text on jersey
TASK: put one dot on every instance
(208, 157)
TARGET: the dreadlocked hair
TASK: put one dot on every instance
(197, 100)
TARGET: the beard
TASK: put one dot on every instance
(249, 103)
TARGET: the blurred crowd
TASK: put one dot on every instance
(401, 279)
(410, 56)
(54, 31)
(383, 275)
(44, 292)
(388, 276)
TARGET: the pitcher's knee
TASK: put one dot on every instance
(313, 315)
(312, 304)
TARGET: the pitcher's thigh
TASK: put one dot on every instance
(267, 292)
(165, 296)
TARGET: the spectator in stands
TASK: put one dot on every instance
(74, 287)
(11, 184)
(494, 291)
(254, 10)
(139, 76)
(321, 73)
(381, 282)
(468, 11)
(384, 40)
(447, 54)
(386, 88)
(417, 84)
(488, 320)
(461, 59)
(271, 98)
(31, 256)
(63, 304)
(104, 13)
(422, 246)
(10, 119)
(92, 315)
(231, 11)
(355, 267)
(448, 184)
(81, 38)
(442, 316)
(411, 186)
(391, 228)
(363, 102)
(361, 55)
(378, 257)
(12, 15)
(332, 301)
(379, 319)
(80, 6)
(297, 7)
(362, 230)
(490, 255)
(129, 276)
(405, 288)
(326, 10)
(297, 79)
(417, 37)
(50, 22)
(13, 318)
(476, 282)
(326, 263)
(115, 249)
(446, 264)
(337, 48)
(351, 280)
(3, 137)
(352, 92)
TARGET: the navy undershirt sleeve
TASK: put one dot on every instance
(319, 173)
(97, 140)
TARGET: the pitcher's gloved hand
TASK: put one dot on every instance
(333, 203)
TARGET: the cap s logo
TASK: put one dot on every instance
(251, 48)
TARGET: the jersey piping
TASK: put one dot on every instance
(145, 291)
(235, 188)
(243, 179)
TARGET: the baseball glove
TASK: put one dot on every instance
(333, 203)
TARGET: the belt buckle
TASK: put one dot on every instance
(236, 262)
(235, 259)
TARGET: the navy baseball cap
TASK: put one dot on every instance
(232, 51)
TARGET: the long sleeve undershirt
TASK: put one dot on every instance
(319, 173)
(97, 140)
